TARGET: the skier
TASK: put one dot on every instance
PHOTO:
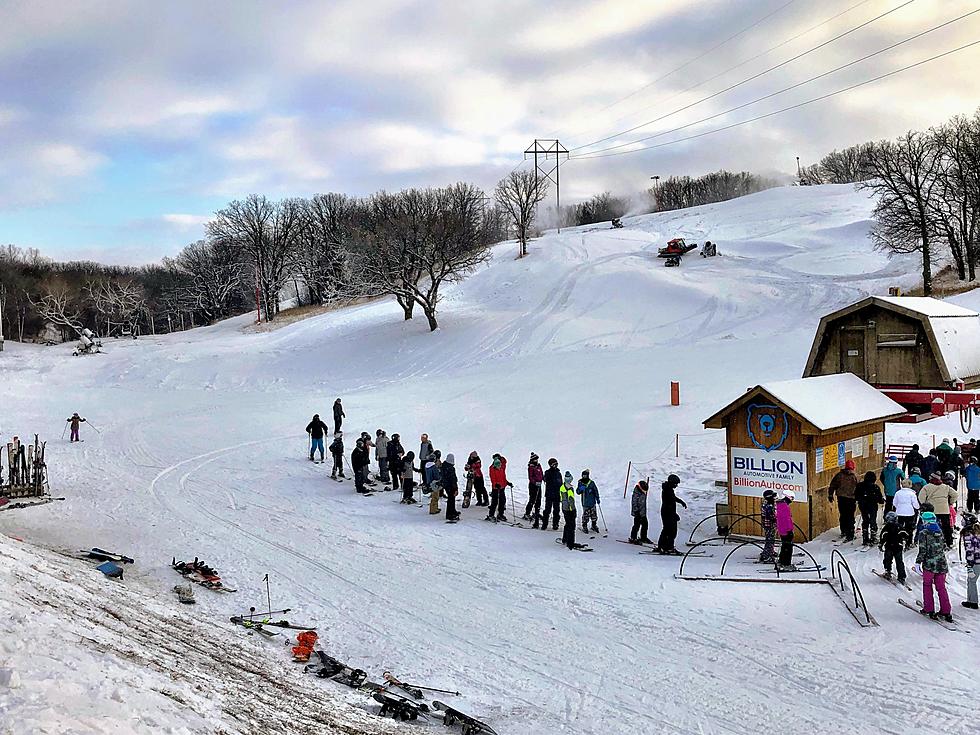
(368, 446)
(929, 463)
(535, 476)
(450, 484)
(972, 474)
(590, 501)
(932, 561)
(868, 496)
(381, 454)
(916, 480)
(552, 497)
(425, 450)
(668, 515)
(337, 452)
(638, 509)
(338, 416)
(430, 472)
(768, 555)
(474, 474)
(784, 526)
(912, 459)
(408, 478)
(844, 483)
(75, 422)
(498, 492)
(905, 504)
(894, 540)
(941, 496)
(891, 480)
(359, 463)
(971, 546)
(567, 494)
(396, 465)
(316, 429)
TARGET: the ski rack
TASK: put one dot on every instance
(859, 603)
(750, 542)
(735, 536)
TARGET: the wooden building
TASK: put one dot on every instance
(797, 434)
(900, 342)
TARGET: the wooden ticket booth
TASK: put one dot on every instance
(797, 434)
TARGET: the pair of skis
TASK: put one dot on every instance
(917, 608)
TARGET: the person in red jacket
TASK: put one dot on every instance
(474, 473)
(499, 484)
(535, 476)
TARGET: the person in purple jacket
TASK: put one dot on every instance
(784, 527)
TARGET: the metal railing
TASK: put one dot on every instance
(838, 562)
(744, 516)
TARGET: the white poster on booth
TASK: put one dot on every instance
(755, 470)
(857, 446)
(819, 460)
(879, 442)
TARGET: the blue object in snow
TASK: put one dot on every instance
(111, 569)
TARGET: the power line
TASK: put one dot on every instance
(749, 79)
(787, 109)
(747, 61)
(784, 89)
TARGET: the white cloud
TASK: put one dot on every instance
(186, 221)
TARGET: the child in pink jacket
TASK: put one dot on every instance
(784, 527)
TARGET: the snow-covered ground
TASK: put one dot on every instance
(568, 353)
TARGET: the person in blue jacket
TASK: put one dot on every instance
(891, 480)
(590, 501)
(972, 474)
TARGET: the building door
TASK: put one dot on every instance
(852, 357)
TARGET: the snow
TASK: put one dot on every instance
(930, 307)
(568, 352)
(834, 401)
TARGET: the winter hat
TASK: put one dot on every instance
(935, 477)
(534, 457)
(316, 415)
(552, 462)
(869, 477)
(568, 477)
(769, 494)
(585, 472)
(891, 517)
(928, 517)
(789, 495)
(892, 458)
(949, 475)
(450, 459)
(673, 480)
(944, 441)
(437, 454)
(642, 484)
(849, 464)
(915, 471)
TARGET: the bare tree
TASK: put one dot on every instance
(325, 238)
(217, 275)
(847, 166)
(519, 194)
(956, 206)
(56, 305)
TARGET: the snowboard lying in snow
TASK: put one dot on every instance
(200, 573)
(471, 726)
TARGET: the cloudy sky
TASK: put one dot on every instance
(123, 125)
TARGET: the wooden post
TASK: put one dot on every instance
(629, 470)
(675, 393)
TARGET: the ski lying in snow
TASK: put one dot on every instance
(103, 555)
(253, 625)
(645, 544)
(893, 581)
(274, 623)
(413, 691)
(917, 608)
(330, 668)
(817, 568)
(15, 506)
(398, 707)
(575, 547)
(471, 726)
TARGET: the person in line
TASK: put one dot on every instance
(972, 474)
(381, 454)
(768, 511)
(474, 475)
(337, 452)
(433, 473)
(912, 459)
(867, 495)
(552, 496)
(450, 486)
(590, 501)
(408, 479)
(368, 446)
(784, 526)
(894, 540)
(567, 493)
(75, 421)
(359, 463)
(315, 429)
(498, 492)
(916, 480)
(971, 550)
(425, 451)
(929, 464)
(535, 476)
(338, 416)
(638, 509)
(932, 561)
(668, 515)
(906, 505)
(891, 480)
(944, 453)
(941, 497)
(844, 484)
(395, 454)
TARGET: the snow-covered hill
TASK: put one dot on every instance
(568, 353)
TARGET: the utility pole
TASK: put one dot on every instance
(656, 202)
(543, 149)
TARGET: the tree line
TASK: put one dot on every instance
(927, 191)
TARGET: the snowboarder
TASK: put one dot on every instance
(337, 452)
(768, 555)
(338, 416)
(567, 494)
(912, 459)
(498, 484)
(368, 446)
(668, 514)
(359, 464)
(972, 474)
(396, 464)
(552, 497)
(844, 484)
(75, 421)
(535, 476)
(474, 472)
(941, 497)
(638, 509)
(971, 546)
(590, 501)
(891, 480)
(894, 541)
(784, 527)
(932, 561)
(450, 485)
(868, 496)
(381, 454)
(408, 478)
(316, 429)
(905, 505)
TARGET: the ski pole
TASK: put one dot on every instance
(93, 426)
(599, 506)
(433, 689)
(64, 430)
(251, 612)
(268, 595)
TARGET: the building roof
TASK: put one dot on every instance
(825, 402)
(927, 306)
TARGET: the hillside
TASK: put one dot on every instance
(568, 353)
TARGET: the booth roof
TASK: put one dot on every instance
(832, 401)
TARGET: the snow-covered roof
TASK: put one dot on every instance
(928, 306)
(956, 329)
(831, 401)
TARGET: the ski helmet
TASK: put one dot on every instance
(316, 416)
(552, 462)
(769, 494)
(949, 475)
(789, 495)
(673, 480)
(891, 517)
(969, 520)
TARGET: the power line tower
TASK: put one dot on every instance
(547, 154)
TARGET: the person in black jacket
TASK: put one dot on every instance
(894, 539)
(338, 415)
(315, 429)
(450, 486)
(668, 515)
(395, 453)
(552, 497)
(337, 452)
(912, 459)
(359, 462)
(868, 495)
(408, 478)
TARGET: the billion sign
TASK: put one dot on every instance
(754, 471)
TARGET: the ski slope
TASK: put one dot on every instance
(568, 353)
